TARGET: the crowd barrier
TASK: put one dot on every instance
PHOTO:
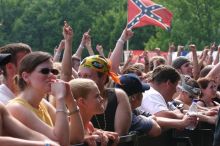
(201, 136)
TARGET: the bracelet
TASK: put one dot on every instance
(47, 143)
(74, 111)
(121, 41)
(61, 110)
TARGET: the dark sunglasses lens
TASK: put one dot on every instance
(45, 71)
(55, 71)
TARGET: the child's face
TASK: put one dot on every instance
(94, 101)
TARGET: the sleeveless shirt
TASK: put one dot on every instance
(106, 121)
(41, 112)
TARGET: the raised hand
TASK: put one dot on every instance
(126, 34)
(67, 31)
(180, 48)
(192, 47)
(171, 47)
(99, 48)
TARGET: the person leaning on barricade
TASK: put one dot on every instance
(36, 78)
(164, 80)
(19, 134)
(117, 115)
(142, 122)
(90, 103)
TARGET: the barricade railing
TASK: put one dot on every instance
(198, 137)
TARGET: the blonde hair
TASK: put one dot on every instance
(81, 87)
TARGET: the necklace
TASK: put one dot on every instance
(96, 118)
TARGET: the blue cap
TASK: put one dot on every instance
(131, 84)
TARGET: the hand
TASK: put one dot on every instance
(58, 89)
(188, 120)
(61, 45)
(192, 47)
(112, 136)
(87, 40)
(67, 31)
(90, 140)
(157, 50)
(130, 56)
(126, 34)
(213, 46)
(101, 137)
(84, 38)
(171, 47)
(99, 48)
(180, 48)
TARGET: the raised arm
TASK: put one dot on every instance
(196, 69)
(179, 50)
(210, 55)
(58, 51)
(118, 50)
(146, 61)
(66, 69)
(170, 53)
(217, 56)
(99, 48)
(88, 43)
(127, 62)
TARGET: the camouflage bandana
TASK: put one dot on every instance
(100, 64)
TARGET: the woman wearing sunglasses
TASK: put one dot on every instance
(37, 78)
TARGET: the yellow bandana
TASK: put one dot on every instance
(100, 64)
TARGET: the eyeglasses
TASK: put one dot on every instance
(46, 71)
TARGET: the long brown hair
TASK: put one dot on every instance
(28, 64)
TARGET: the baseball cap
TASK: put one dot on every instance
(4, 59)
(131, 84)
(179, 61)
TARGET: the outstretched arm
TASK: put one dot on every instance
(118, 50)
(99, 48)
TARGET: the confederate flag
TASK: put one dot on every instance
(146, 12)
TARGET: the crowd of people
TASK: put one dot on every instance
(64, 99)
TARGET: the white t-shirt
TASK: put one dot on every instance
(153, 101)
(5, 94)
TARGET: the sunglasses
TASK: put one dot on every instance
(46, 71)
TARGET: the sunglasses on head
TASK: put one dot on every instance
(46, 71)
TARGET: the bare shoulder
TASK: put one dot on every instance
(121, 95)
(20, 112)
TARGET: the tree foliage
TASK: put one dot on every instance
(39, 23)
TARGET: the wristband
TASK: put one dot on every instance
(74, 111)
(61, 110)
